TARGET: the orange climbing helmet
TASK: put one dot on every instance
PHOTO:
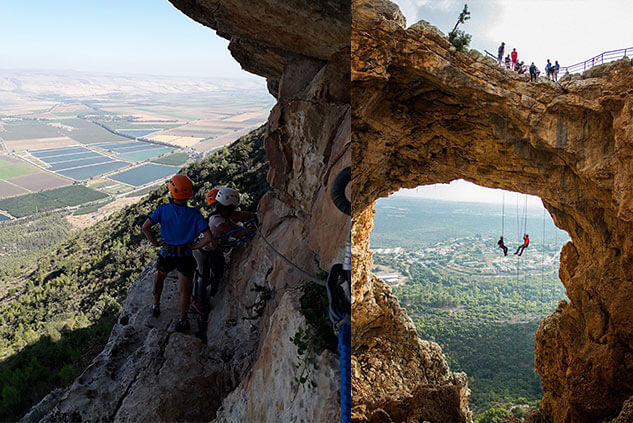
(180, 187)
(211, 196)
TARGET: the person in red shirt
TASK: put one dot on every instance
(526, 242)
(515, 57)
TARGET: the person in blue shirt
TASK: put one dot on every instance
(548, 69)
(500, 51)
(555, 70)
(180, 225)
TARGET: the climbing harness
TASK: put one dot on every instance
(237, 241)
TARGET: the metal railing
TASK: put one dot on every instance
(602, 58)
(606, 57)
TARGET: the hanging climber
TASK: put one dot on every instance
(179, 227)
(224, 219)
(526, 242)
(502, 246)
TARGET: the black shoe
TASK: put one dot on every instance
(182, 325)
(155, 310)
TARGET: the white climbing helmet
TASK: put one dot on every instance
(228, 197)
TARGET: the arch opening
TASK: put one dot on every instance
(436, 247)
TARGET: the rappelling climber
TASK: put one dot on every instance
(180, 225)
(526, 242)
(210, 259)
(502, 246)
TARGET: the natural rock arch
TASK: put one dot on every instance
(422, 114)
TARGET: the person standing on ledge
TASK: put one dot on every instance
(548, 69)
(500, 51)
(515, 57)
(555, 70)
(532, 72)
(179, 227)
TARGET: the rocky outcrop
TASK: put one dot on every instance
(265, 35)
(424, 113)
(249, 370)
(395, 375)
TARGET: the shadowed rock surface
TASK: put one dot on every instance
(424, 113)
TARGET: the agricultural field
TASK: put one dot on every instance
(140, 156)
(26, 129)
(40, 181)
(88, 133)
(28, 134)
(129, 146)
(11, 167)
(7, 189)
(175, 159)
(39, 143)
(144, 174)
(49, 200)
(51, 152)
(19, 177)
(122, 124)
(221, 141)
(83, 173)
(77, 162)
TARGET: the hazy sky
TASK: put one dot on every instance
(113, 36)
(461, 190)
(569, 31)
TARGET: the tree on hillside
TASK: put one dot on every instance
(457, 37)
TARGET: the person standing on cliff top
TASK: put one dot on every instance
(515, 57)
(500, 51)
(179, 227)
(508, 61)
(526, 242)
(555, 70)
(548, 69)
(532, 72)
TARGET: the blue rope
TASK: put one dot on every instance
(345, 365)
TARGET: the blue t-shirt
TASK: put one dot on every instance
(179, 225)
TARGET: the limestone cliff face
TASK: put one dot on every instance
(424, 113)
(249, 368)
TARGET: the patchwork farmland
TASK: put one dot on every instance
(114, 143)
(144, 174)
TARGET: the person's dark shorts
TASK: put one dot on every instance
(183, 264)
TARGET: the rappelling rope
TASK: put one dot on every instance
(543, 263)
(503, 212)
